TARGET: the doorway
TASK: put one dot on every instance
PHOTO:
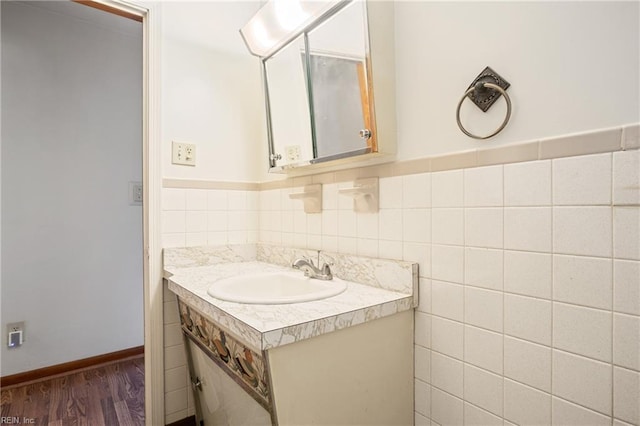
(72, 171)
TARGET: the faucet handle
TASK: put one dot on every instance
(326, 271)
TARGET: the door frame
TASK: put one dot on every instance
(149, 12)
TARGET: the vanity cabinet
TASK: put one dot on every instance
(340, 360)
(355, 376)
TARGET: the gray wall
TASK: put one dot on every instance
(71, 143)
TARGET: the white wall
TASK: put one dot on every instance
(71, 142)
(573, 66)
(213, 99)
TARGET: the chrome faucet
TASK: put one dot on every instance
(311, 271)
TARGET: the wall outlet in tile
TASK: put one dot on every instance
(183, 153)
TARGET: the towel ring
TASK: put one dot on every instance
(473, 89)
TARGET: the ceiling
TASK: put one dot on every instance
(212, 24)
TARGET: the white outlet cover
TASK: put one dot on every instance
(183, 153)
(135, 193)
(292, 152)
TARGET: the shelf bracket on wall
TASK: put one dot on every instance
(365, 193)
(311, 196)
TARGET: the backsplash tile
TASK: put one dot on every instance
(626, 232)
(626, 341)
(527, 363)
(528, 274)
(447, 337)
(484, 389)
(626, 391)
(484, 227)
(525, 405)
(626, 178)
(582, 331)
(582, 231)
(447, 189)
(528, 318)
(626, 293)
(582, 380)
(483, 349)
(447, 374)
(483, 308)
(535, 236)
(527, 184)
(583, 280)
(573, 187)
(567, 413)
(483, 187)
(484, 268)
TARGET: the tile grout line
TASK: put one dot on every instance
(612, 246)
(464, 323)
(504, 394)
(552, 212)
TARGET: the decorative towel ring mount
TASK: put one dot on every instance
(480, 87)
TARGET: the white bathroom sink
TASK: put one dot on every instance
(271, 288)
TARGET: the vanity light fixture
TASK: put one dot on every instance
(280, 21)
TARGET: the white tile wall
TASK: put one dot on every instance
(582, 380)
(583, 280)
(527, 363)
(484, 268)
(528, 184)
(194, 217)
(447, 374)
(477, 416)
(525, 405)
(446, 409)
(447, 337)
(529, 280)
(573, 187)
(582, 331)
(528, 273)
(567, 413)
(626, 394)
(483, 348)
(584, 231)
(483, 389)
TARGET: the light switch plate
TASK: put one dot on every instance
(183, 153)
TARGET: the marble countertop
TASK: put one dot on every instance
(262, 327)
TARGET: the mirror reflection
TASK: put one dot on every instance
(337, 62)
(288, 105)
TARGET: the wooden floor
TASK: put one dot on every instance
(109, 395)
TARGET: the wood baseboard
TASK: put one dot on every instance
(187, 421)
(68, 367)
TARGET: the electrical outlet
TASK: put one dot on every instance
(15, 334)
(183, 153)
(292, 152)
(135, 193)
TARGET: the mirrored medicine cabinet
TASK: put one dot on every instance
(329, 82)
